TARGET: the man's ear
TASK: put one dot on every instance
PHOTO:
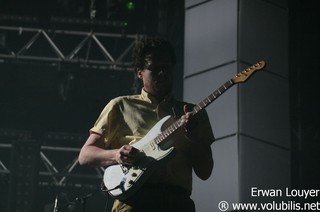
(139, 74)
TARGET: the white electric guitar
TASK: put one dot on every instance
(122, 181)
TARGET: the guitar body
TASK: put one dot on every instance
(122, 181)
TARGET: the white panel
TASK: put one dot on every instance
(190, 3)
(263, 166)
(223, 183)
(264, 108)
(223, 111)
(210, 35)
(257, 109)
(264, 35)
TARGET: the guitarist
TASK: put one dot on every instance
(127, 119)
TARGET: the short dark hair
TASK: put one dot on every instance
(149, 45)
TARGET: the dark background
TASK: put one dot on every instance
(304, 93)
(42, 100)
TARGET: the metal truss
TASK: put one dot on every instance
(87, 48)
(5, 147)
(58, 176)
(4, 164)
(52, 172)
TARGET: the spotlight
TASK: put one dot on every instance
(131, 5)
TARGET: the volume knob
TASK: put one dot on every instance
(134, 174)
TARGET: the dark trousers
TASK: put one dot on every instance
(157, 198)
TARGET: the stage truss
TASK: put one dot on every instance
(111, 51)
(30, 164)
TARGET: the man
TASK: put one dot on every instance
(127, 119)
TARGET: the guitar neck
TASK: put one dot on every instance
(209, 99)
(200, 106)
(238, 78)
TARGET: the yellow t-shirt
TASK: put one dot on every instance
(127, 119)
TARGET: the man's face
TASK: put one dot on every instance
(157, 75)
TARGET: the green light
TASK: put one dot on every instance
(130, 5)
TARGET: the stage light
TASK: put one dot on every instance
(130, 5)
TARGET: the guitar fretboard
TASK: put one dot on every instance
(200, 106)
(209, 99)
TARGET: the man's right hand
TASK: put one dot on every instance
(129, 156)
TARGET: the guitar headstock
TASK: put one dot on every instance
(245, 74)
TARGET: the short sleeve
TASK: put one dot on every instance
(105, 120)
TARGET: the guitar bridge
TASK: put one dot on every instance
(125, 169)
